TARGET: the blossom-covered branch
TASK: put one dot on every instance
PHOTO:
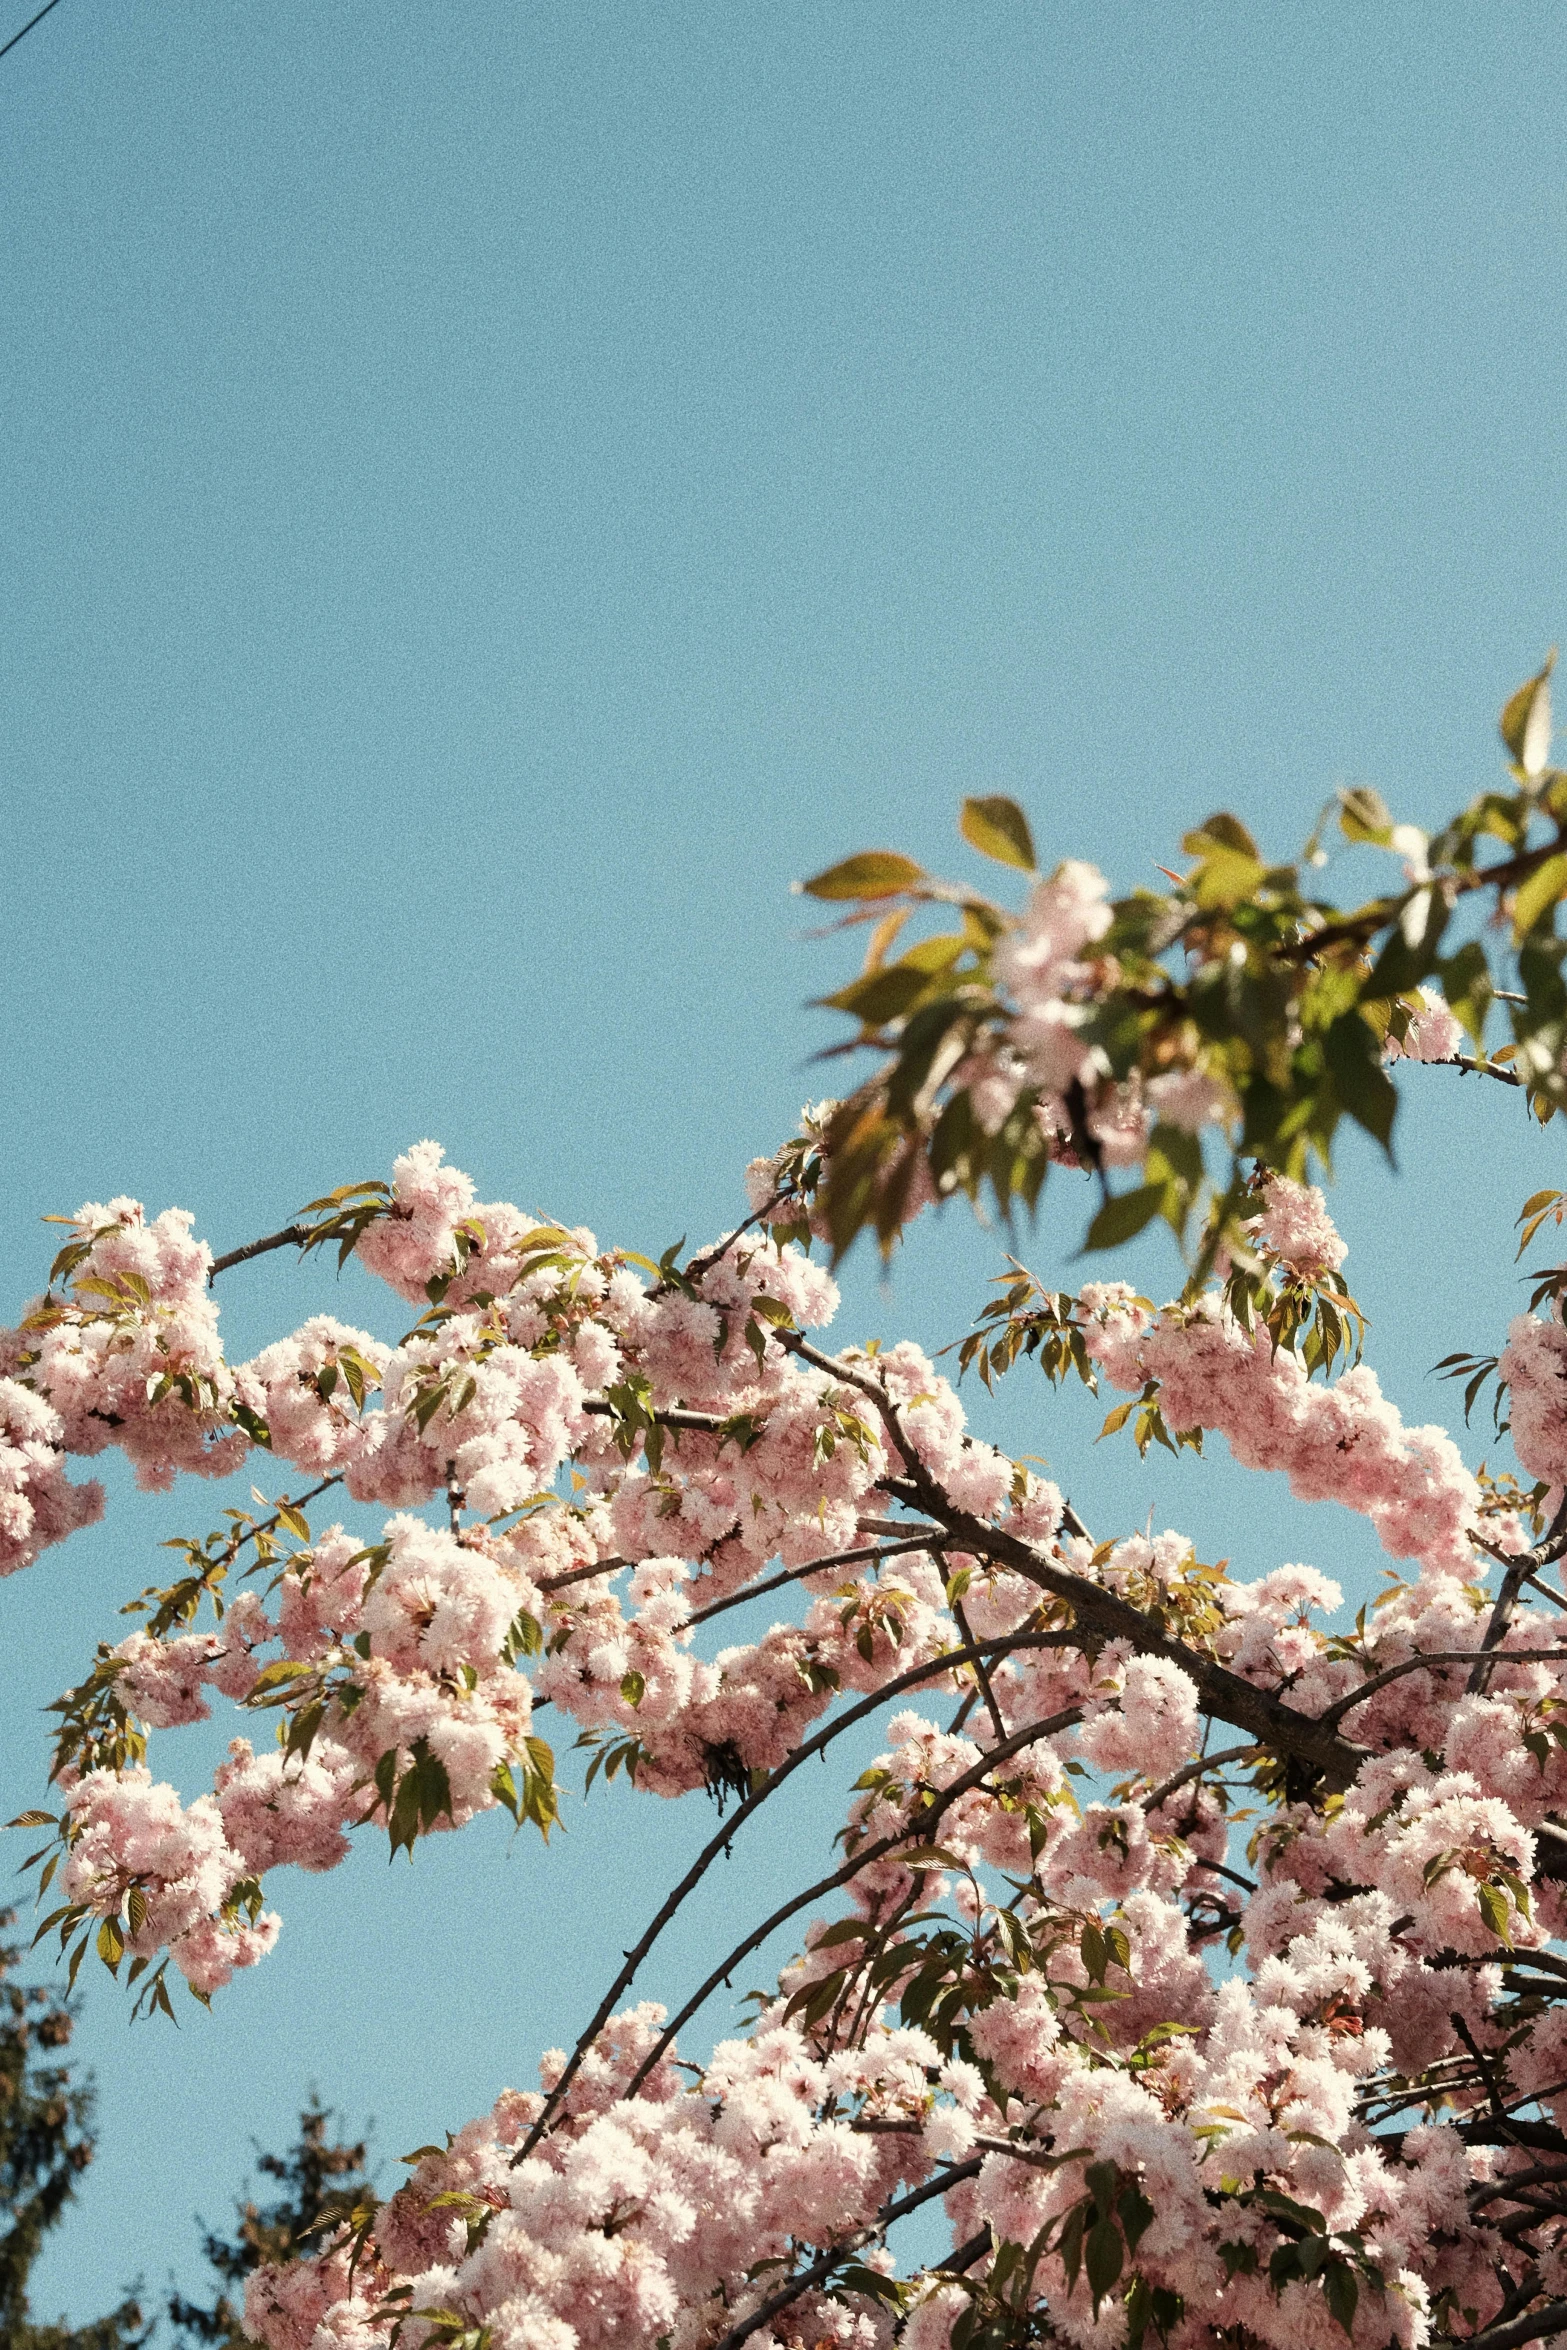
(1007, 1993)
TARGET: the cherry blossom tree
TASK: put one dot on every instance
(1169, 2074)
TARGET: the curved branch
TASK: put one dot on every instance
(819, 2270)
(917, 1831)
(1494, 2190)
(1197, 1770)
(1544, 1553)
(1268, 1720)
(1467, 1067)
(871, 1555)
(935, 1666)
(1438, 1660)
(1547, 2320)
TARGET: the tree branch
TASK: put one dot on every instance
(1266, 1719)
(1543, 1553)
(915, 1831)
(872, 1554)
(1437, 1660)
(292, 1236)
(934, 1667)
(820, 2270)
(1550, 2319)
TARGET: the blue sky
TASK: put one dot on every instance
(490, 495)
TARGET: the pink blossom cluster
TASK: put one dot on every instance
(641, 2218)
(1534, 1367)
(1343, 1443)
(166, 1872)
(130, 1354)
(646, 2217)
(709, 1442)
(1434, 1033)
(1043, 963)
(38, 1503)
(300, 1389)
(1296, 1226)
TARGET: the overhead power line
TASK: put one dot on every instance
(27, 28)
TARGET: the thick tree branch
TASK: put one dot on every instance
(1549, 2319)
(1436, 1660)
(1265, 1718)
(292, 1236)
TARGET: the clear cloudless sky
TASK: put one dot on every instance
(488, 494)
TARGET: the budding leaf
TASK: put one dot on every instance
(1493, 1908)
(1364, 815)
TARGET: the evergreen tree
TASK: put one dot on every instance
(319, 2182)
(45, 2145)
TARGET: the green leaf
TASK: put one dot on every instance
(1118, 1418)
(1341, 2291)
(281, 1670)
(1411, 950)
(1466, 983)
(998, 828)
(881, 995)
(874, 873)
(1363, 1086)
(1539, 895)
(1526, 721)
(1137, 2215)
(1221, 831)
(1493, 1908)
(1103, 2257)
(632, 1687)
(111, 1943)
(1119, 1219)
(1225, 878)
(773, 1309)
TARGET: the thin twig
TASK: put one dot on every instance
(866, 1556)
(1543, 1554)
(704, 1423)
(1436, 1660)
(933, 1668)
(980, 1674)
(819, 2270)
(915, 1831)
(1198, 1770)
(27, 28)
(720, 1248)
